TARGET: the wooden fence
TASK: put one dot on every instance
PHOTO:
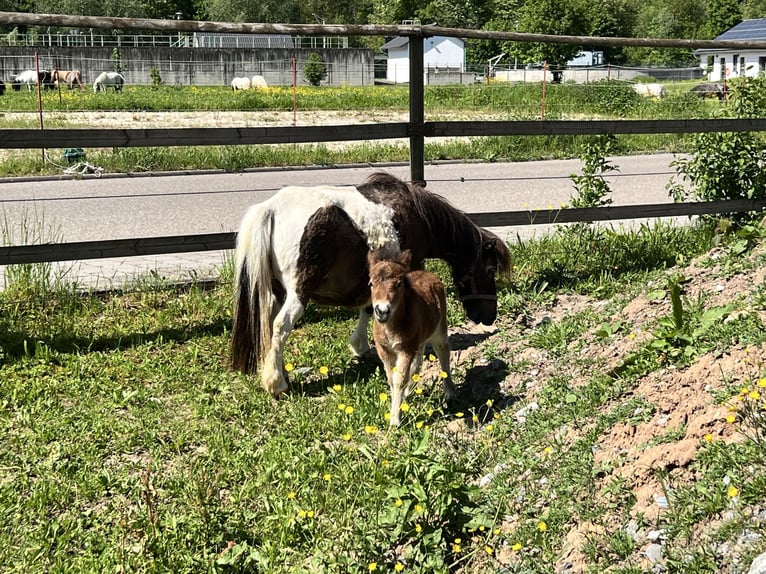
(416, 129)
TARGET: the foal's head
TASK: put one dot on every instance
(387, 278)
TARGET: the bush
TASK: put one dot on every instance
(315, 69)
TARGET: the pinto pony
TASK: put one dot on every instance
(106, 80)
(71, 78)
(311, 243)
(32, 78)
(410, 309)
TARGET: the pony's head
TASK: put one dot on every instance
(476, 287)
(387, 278)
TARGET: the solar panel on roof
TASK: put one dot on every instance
(747, 30)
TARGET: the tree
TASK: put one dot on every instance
(556, 17)
(314, 70)
(720, 16)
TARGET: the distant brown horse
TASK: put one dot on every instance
(71, 78)
(410, 310)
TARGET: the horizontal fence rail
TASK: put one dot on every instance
(75, 251)
(64, 138)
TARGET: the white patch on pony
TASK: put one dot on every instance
(375, 221)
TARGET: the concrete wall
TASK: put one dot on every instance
(195, 66)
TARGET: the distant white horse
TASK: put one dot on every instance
(650, 90)
(259, 82)
(106, 80)
(240, 84)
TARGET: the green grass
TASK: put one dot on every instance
(129, 445)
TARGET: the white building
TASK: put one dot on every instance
(726, 63)
(439, 53)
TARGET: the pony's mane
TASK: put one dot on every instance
(432, 211)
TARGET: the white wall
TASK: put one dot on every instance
(747, 64)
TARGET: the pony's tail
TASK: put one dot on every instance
(254, 300)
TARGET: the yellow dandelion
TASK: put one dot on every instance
(405, 407)
(301, 514)
(490, 402)
(755, 395)
(418, 528)
(496, 416)
(516, 547)
(632, 336)
(475, 418)
(708, 437)
(458, 540)
(489, 550)
(731, 419)
(326, 477)
(431, 357)
(496, 532)
(443, 374)
(762, 383)
(398, 502)
(547, 450)
(419, 425)
(336, 388)
(310, 513)
(372, 566)
(429, 412)
(291, 495)
(418, 508)
(457, 549)
(370, 429)
(289, 367)
(419, 391)
(416, 377)
(399, 567)
(387, 417)
(542, 526)
(346, 437)
(383, 397)
(460, 415)
(489, 428)
(348, 410)
(732, 491)
(341, 406)
(323, 370)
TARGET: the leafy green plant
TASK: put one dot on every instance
(154, 73)
(591, 187)
(726, 165)
(117, 60)
(679, 334)
(314, 70)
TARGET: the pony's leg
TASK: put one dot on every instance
(440, 343)
(399, 380)
(359, 343)
(272, 376)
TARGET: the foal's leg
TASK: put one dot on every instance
(399, 381)
(272, 375)
(360, 341)
(440, 343)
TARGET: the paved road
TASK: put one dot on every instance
(146, 206)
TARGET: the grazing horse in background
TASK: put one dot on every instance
(311, 243)
(71, 78)
(650, 90)
(32, 78)
(410, 310)
(240, 84)
(710, 90)
(105, 80)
